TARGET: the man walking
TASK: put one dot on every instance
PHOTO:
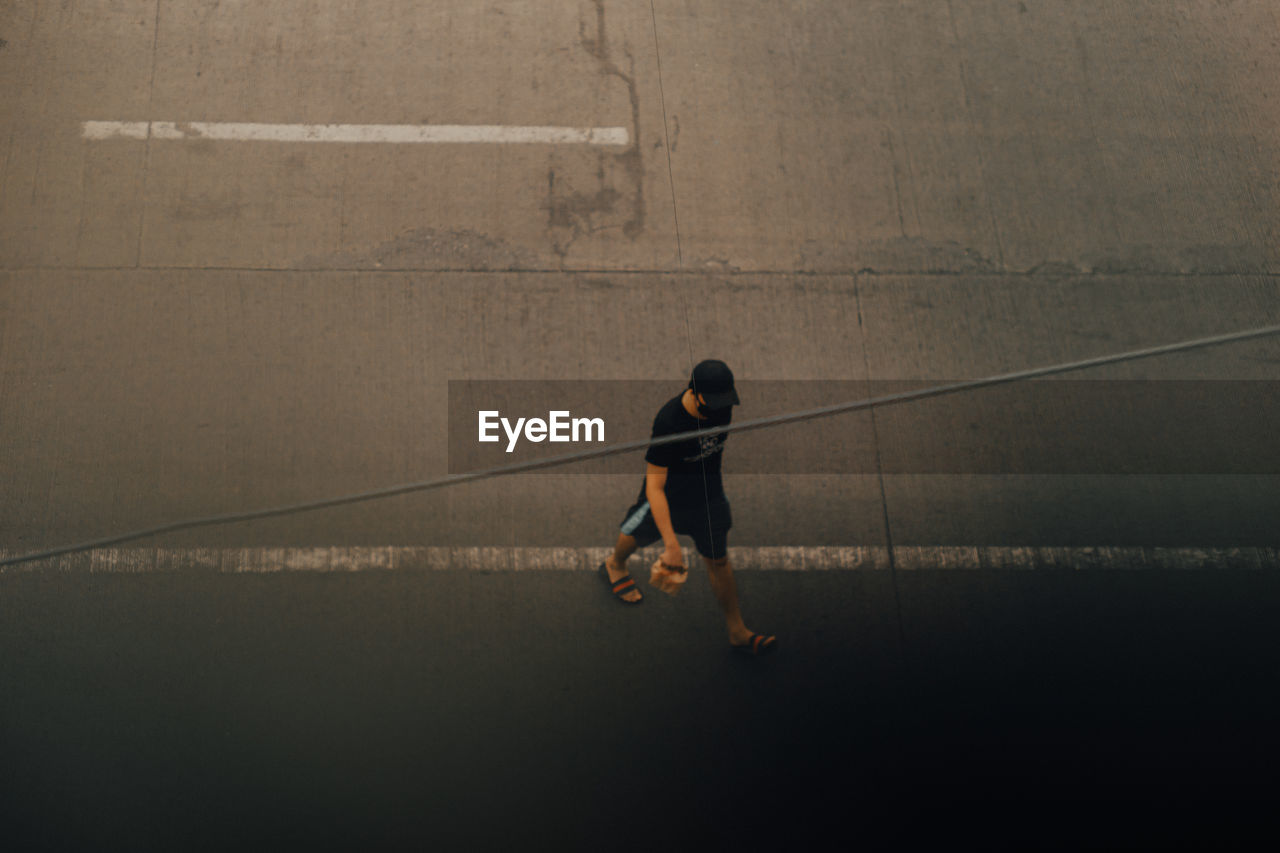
(683, 493)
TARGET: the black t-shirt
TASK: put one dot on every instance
(689, 461)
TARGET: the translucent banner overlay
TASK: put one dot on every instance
(1051, 426)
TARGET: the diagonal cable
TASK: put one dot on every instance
(639, 444)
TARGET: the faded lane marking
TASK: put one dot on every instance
(399, 134)
(507, 558)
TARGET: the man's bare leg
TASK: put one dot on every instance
(726, 591)
(616, 563)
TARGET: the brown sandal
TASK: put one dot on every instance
(758, 646)
(621, 586)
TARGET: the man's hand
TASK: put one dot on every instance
(673, 557)
(667, 577)
(668, 574)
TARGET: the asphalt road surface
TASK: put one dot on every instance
(529, 709)
(245, 248)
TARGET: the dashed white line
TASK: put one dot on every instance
(399, 134)
(759, 558)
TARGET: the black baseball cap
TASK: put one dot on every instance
(714, 381)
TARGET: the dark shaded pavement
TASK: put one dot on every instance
(527, 710)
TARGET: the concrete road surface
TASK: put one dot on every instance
(206, 308)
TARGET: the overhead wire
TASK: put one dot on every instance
(639, 444)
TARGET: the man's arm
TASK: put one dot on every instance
(655, 479)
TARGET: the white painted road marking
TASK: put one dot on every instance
(402, 134)
(505, 558)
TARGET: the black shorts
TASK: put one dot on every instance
(707, 524)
